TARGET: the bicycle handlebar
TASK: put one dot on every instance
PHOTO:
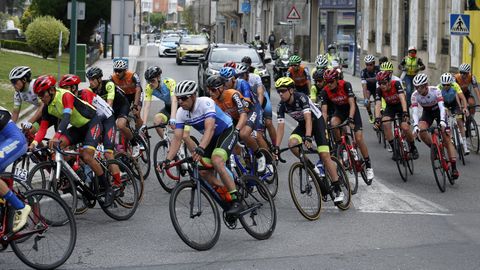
(300, 145)
(345, 123)
(179, 162)
(65, 153)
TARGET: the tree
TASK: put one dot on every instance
(43, 35)
(157, 19)
(11, 5)
(189, 18)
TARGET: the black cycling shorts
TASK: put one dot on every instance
(319, 132)
(430, 115)
(221, 145)
(87, 134)
(343, 115)
(393, 110)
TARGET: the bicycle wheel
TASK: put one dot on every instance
(126, 198)
(347, 162)
(344, 185)
(132, 164)
(438, 171)
(144, 158)
(473, 135)
(400, 159)
(270, 177)
(305, 191)
(43, 176)
(160, 154)
(261, 218)
(458, 144)
(53, 227)
(200, 230)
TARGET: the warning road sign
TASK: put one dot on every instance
(293, 14)
(460, 24)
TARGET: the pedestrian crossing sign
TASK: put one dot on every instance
(459, 24)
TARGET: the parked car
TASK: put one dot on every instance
(167, 46)
(218, 54)
(190, 48)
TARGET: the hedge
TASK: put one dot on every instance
(16, 45)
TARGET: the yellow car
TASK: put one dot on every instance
(190, 48)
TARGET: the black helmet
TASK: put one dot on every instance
(257, 37)
(247, 60)
(382, 59)
(94, 73)
(152, 72)
(331, 46)
(283, 42)
(215, 81)
(318, 75)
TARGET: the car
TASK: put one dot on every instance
(218, 53)
(167, 46)
(190, 48)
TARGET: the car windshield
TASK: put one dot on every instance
(222, 55)
(171, 39)
(194, 40)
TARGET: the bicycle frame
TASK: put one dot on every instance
(251, 170)
(437, 142)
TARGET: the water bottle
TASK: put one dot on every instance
(354, 154)
(88, 173)
(345, 156)
(319, 169)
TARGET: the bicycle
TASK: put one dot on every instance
(194, 208)
(438, 159)
(471, 131)
(312, 188)
(48, 238)
(348, 155)
(401, 150)
(457, 139)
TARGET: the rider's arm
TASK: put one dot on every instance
(421, 66)
(281, 124)
(308, 123)
(138, 90)
(378, 103)
(44, 124)
(261, 93)
(37, 115)
(15, 114)
(176, 142)
(110, 87)
(67, 101)
(441, 106)
(147, 102)
(414, 106)
(313, 93)
(209, 131)
(324, 103)
(364, 82)
(242, 121)
(351, 99)
(309, 79)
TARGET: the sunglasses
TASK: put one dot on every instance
(318, 81)
(281, 91)
(152, 81)
(183, 98)
(463, 73)
(214, 89)
(118, 70)
(41, 95)
(446, 85)
(383, 83)
(14, 81)
(330, 81)
(421, 86)
(369, 64)
(294, 65)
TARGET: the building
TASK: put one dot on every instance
(160, 6)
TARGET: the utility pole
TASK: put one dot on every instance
(73, 39)
(122, 29)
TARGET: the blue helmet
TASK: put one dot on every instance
(227, 72)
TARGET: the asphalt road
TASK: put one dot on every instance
(390, 225)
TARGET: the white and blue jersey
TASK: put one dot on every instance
(203, 108)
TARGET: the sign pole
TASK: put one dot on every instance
(73, 39)
(473, 52)
(122, 29)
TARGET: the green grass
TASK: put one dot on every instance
(39, 67)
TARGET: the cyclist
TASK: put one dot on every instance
(63, 105)
(20, 77)
(11, 138)
(219, 137)
(411, 64)
(129, 82)
(321, 63)
(281, 50)
(431, 100)
(333, 57)
(300, 74)
(396, 104)
(257, 41)
(164, 90)
(311, 126)
(468, 83)
(454, 100)
(368, 76)
(340, 93)
(116, 98)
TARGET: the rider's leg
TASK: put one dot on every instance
(424, 135)
(159, 119)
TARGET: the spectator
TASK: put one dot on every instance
(271, 41)
(244, 33)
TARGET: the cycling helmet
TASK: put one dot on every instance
(231, 64)
(94, 73)
(330, 46)
(43, 83)
(330, 74)
(284, 82)
(321, 62)
(152, 73)
(120, 64)
(412, 48)
(294, 60)
(283, 42)
(446, 78)
(466, 68)
(185, 88)
(318, 75)
(383, 76)
(241, 69)
(369, 59)
(420, 79)
(215, 81)
(20, 73)
(204, 29)
(247, 60)
(257, 37)
(382, 60)
(69, 80)
(386, 66)
(227, 72)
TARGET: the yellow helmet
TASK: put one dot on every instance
(284, 82)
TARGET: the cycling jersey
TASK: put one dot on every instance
(301, 104)
(108, 91)
(102, 107)
(164, 92)
(203, 108)
(431, 103)
(301, 76)
(370, 78)
(392, 95)
(339, 97)
(450, 95)
(128, 83)
(244, 88)
(232, 103)
(466, 83)
(13, 143)
(27, 95)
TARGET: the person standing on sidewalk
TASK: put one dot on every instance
(271, 41)
(411, 64)
(244, 34)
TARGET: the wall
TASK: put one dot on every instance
(474, 28)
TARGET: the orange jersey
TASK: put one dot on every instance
(232, 104)
(128, 83)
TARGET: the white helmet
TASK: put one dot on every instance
(185, 88)
(20, 73)
(465, 68)
(241, 68)
(420, 79)
(321, 62)
(446, 78)
(120, 64)
(369, 59)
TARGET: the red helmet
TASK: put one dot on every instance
(383, 76)
(231, 64)
(330, 74)
(69, 80)
(43, 83)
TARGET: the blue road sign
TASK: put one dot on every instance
(460, 24)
